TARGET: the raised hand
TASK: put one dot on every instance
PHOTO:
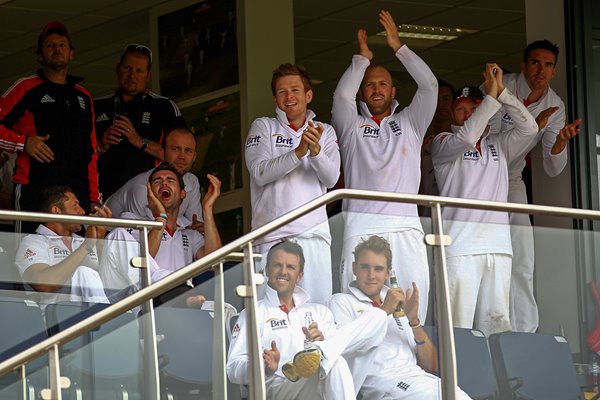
(312, 135)
(411, 305)
(391, 30)
(154, 203)
(271, 358)
(544, 116)
(564, 135)
(363, 47)
(213, 192)
(491, 82)
(393, 300)
(312, 332)
(196, 225)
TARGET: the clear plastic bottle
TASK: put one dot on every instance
(394, 284)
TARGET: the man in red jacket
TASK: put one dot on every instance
(48, 119)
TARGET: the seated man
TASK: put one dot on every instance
(170, 248)
(289, 324)
(179, 149)
(57, 261)
(401, 368)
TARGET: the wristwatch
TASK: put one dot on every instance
(145, 143)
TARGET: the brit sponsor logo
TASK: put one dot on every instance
(58, 252)
(493, 152)
(395, 128)
(506, 119)
(277, 324)
(252, 141)
(282, 141)
(369, 131)
(81, 102)
(471, 155)
(146, 118)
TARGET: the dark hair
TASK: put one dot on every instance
(165, 166)
(377, 245)
(442, 83)
(540, 44)
(291, 69)
(53, 196)
(289, 247)
(180, 129)
(137, 49)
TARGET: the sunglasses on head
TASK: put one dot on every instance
(138, 47)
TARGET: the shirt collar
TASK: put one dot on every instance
(300, 296)
(282, 118)
(364, 109)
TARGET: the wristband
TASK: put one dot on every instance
(418, 324)
(163, 215)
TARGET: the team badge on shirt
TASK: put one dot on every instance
(493, 152)
(146, 118)
(396, 130)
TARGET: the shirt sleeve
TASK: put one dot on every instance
(554, 163)
(95, 195)
(422, 107)
(524, 129)
(344, 112)
(263, 168)
(237, 358)
(32, 250)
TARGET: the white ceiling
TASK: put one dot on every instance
(325, 32)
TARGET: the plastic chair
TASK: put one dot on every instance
(475, 372)
(534, 366)
(186, 348)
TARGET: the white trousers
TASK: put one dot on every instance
(523, 307)
(479, 291)
(420, 387)
(317, 279)
(336, 385)
(409, 261)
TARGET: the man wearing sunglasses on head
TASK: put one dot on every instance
(132, 123)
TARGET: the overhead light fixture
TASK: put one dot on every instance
(436, 33)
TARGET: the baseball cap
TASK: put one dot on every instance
(53, 27)
(468, 92)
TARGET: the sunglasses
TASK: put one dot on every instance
(138, 47)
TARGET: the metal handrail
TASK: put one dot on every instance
(6, 215)
(206, 262)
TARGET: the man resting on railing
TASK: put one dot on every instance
(58, 262)
(170, 248)
(402, 367)
(300, 338)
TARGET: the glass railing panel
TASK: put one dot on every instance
(189, 339)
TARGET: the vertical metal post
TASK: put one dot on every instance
(219, 356)
(23, 381)
(443, 315)
(148, 325)
(257, 389)
(54, 366)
